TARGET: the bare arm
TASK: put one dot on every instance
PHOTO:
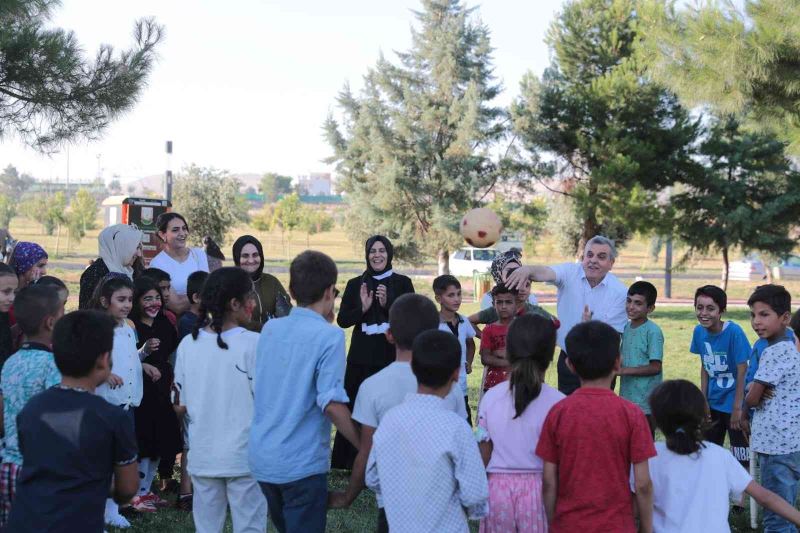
(488, 358)
(645, 370)
(339, 414)
(644, 496)
(470, 354)
(755, 395)
(486, 447)
(533, 273)
(549, 489)
(704, 381)
(736, 415)
(357, 478)
(768, 499)
(126, 482)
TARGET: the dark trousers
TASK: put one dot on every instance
(299, 506)
(383, 524)
(567, 381)
(720, 424)
(469, 411)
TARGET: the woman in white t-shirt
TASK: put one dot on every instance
(694, 480)
(177, 259)
(213, 377)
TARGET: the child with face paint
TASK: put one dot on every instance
(157, 427)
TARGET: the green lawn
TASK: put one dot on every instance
(677, 323)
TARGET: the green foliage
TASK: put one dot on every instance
(49, 92)
(83, 210)
(114, 187)
(736, 61)
(210, 201)
(35, 208)
(14, 184)
(748, 197)
(315, 221)
(288, 213)
(8, 210)
(56, 214)
(274, 185)
(527, 217)
(618, 138)
(414, 148)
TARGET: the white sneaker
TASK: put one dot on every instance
(112, 516)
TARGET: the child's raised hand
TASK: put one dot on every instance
(151, 345)
(367, 297)
(151, 372)
(468, 368)
(587, 314)
(114, 381)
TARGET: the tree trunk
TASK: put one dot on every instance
(443, 258)
(725, 268)
(589, 231)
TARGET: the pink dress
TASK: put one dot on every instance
(515, 472)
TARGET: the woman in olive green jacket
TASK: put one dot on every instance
(272, 300)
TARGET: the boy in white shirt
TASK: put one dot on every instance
(409, 316)
(447, 290)
(775, 393)
(424, 462)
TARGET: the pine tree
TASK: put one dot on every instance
(735, 61)
(50, 93)
(618, 138)
(413, 149)
(747, 198)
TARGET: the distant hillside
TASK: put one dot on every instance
(155, 183)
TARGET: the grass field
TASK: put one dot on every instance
(677, 323)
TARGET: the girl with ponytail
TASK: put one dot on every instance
(213, 376)
(157, 429)
(510, 419)
(694, 480)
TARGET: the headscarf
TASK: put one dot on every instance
(117, 245)
(237, 252)
(26, 255)
(499, 263)
(376, 320)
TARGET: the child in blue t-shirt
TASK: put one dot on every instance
(724, 351)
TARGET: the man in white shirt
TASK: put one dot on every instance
(586, 291)
(424, 463)
(409, 316)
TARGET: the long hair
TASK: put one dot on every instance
(530, 345)
(681, 412)
(222, 286)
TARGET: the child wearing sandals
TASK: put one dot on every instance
(510, 419)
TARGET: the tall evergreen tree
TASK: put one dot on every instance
(618, 138)
(50, 93)
(414, 148)
(735, 60)
(748, 197)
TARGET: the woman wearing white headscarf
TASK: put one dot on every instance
(120, 245)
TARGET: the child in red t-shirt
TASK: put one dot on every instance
(589, 442)
(493, 337)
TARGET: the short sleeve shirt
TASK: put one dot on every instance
(71, 441)
(494, 339)
(594, 437)
(755, 355)
(720, 354)
(464, 331)
(26, 373)
(776, 423)
(179, 272)
(640, 346)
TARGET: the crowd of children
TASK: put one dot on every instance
(95, 403)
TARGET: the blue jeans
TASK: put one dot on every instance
(299, 506)
(781, 475)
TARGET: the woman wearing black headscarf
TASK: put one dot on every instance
(272, 300)
(365, 306)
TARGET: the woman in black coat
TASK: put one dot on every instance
(365, 306)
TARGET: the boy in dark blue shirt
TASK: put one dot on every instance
(73, 441)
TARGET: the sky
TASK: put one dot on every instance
(245, 85)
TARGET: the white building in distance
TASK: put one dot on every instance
(315, 184)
